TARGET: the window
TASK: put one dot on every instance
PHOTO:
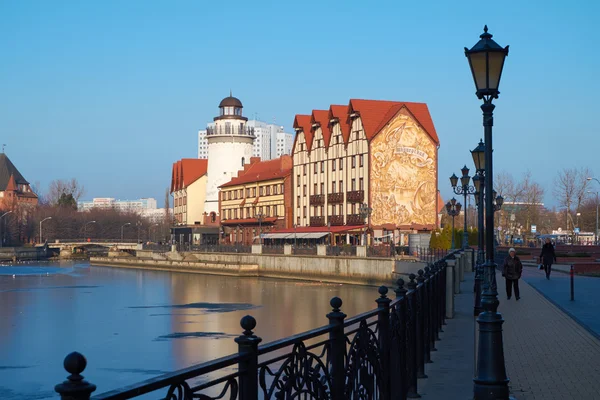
(268, 190)
(213, 217)
(315, 167)
(322, 166)
(322, 211)
(315, 189)
(228, 214)
(356, 135)
(281, 188)
(253, 192)
(298, 202)
(248, 192)
(353, 184)
(361, 184)
(304, 169)
(333, 187)
(304, 211)
(341, 208)
(353, 161)
(235, 213)
(268, 211)
(333, 165)
(298, 180)
(235, 194)
(341, 164)
(298, 221)
(322, 188)
(337, 139)
(341, 185)
(304, 187)
(243, 161)
(275, 213)
(361, 160)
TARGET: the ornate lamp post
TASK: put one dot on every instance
(486, 60)
(41, 222)
(365, 211)
(465, 189)
(453, 209)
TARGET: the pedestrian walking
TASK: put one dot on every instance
(511, 271)
(547, 257)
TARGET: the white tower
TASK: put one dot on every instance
(230, 145)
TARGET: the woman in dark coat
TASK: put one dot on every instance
(512, 271)
(547, 257)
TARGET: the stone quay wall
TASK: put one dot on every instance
(349, 270)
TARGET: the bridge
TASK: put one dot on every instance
(68, 244)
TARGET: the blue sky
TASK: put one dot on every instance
(113, 92)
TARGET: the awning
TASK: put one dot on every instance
(275, 235)
(305, 235)
(314, 235)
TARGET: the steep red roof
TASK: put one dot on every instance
(341, 113)
(187, 171)
(375, 114)
(322, 118)
(11, 186)
(259, 171)
(303, 122)
(440, 205)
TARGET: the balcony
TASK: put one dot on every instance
(355, 196)
(336, 220)
(335, 198)
(317, 221)
(317, 200)
(230, 130)
(355, 219)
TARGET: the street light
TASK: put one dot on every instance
(84, 229)
(124, 225)
(486, 60)
(465, 189)
(577, 233)
(365, 211)
(1, 230)
(453, 209)
(41, 222)
(596, 231)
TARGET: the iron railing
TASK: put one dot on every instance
(215, 248)
(343, 250)
(426, 254)
(304, 250)
(379, 354)
(382, 250)
(272, 249)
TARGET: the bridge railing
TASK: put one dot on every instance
(377, 354)
(92, 240)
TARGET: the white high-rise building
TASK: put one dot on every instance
(203, 144)
(230, 147)
(284, 143)
(268, 138)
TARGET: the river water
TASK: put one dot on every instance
(133, 325)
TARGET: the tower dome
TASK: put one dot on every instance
(231, 102)
(230, 108)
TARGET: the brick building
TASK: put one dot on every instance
(257, 200)
(14, 188)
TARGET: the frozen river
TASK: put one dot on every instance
(133, 325)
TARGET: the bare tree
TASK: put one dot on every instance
(570, 189)
(532, 196)
(59, 187)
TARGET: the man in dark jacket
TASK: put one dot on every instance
(511, 271)
(547, 257)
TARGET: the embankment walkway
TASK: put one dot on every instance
(548, 354)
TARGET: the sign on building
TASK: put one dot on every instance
(533, 228)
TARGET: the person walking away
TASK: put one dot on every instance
(547, 257)
(511, 271)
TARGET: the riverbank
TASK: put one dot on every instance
(346, 270)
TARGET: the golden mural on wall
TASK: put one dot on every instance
(403, 174)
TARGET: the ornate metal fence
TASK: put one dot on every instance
(216, 248)
(380, 354)
(305, 250)
(272, 249)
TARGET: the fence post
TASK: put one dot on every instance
(426, 307)
(337, 345)
(572, 275)
(75, 388)
(248, 364)
(399, 386)
(421, 326)
(383, 324)
(411, 344)
(450, 266)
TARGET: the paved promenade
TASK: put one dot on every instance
(548, 354)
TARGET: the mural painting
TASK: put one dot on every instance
(403, 174)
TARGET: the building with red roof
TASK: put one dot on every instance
(14, 188)
(257, 200)
(383, 154)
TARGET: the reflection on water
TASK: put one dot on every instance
(132, 324)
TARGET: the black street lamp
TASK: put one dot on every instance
(453, 209)
(486, 60)
(465, 189)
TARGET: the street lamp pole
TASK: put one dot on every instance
(465, 189)
(1, 230)
(365, 211)
(259, 216)
(127, 224)
(41, 222)
(85, 229)
(453, 209)
(486, 60)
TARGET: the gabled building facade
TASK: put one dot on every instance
(14, 188)
(382, 154)
(188, 188)
(257, 200)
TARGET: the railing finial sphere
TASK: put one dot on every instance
(75, 363)
(383, 290)
(336, 303)
(248, 323)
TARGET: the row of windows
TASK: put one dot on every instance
(252, 212)
(181, 201)
(319, 211)
(356, 159)
(265, 190)
(361, 186)
(320, 143)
